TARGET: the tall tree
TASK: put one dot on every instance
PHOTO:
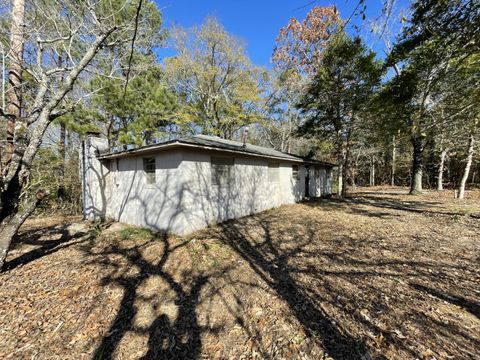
(440, 37)
(337, 100)
(468, 164)
(139, 114)
(216, 83)
(457, 111)
(300, 44)
(281, 119)
(298, 56)
(406, 98)
(13, 93)
(89, 35)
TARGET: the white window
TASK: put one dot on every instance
(273, 172)
(222, 170)
(149, 169)
(295, 173)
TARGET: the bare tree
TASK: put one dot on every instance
(468, 164)
(282, 119)
(86, 33)
(218, 85)
(441, 167)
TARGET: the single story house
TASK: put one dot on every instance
(184, 185)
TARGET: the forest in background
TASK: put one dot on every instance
(409, 118)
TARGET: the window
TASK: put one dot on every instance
(222, 170)
(273, 172)
(295, 173)
(149, 168)
(115, 168)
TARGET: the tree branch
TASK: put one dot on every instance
(44, 119)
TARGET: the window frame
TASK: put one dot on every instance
(114, 169)
(296, 172)
(222, 170)
(150, 174)
(271, 167)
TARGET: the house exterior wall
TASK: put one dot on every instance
(183, 198)
(94, 176)
(320, 181)
(156, 206)
(248, 193)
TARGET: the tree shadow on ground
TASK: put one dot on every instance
(472, 307)
(272, 265)
(130, 269)
(307, 271)
(44, 246)
(414, 206)
(300, 264)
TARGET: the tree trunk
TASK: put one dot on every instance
(340, 179)
(354, 174)
(372, 171)
(344, 181)
(61, 147)
(345, 170)
(341, 156)
(62, 140)
(417, 165)
(12, 225)
(10, 197)
(466, 172)
(26, 147)
(61, 190)
(441, 168)
(14, 75)
(394, 158)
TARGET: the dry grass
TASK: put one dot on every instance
(379, 275)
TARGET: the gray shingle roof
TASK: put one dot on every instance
(217, 143)
(214, 141)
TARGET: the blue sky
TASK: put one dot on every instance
(258, 22)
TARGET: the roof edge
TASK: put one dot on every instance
(184, 143)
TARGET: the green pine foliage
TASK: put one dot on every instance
(337, 103)
(139, 113)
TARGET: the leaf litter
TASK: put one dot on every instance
(378, 275)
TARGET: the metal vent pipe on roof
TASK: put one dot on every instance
(245, 136)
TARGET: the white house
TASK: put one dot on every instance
(184, 185)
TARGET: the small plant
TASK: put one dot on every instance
(96, 229)
(135, 233)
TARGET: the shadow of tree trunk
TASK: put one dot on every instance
(272, 266)
(178, 339)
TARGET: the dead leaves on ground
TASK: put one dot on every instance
(381, 275)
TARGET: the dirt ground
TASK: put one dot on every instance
(378, 275)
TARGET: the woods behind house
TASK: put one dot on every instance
(409, 117)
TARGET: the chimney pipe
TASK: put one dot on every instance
(245, 136)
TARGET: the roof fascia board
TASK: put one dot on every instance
(178, 143)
